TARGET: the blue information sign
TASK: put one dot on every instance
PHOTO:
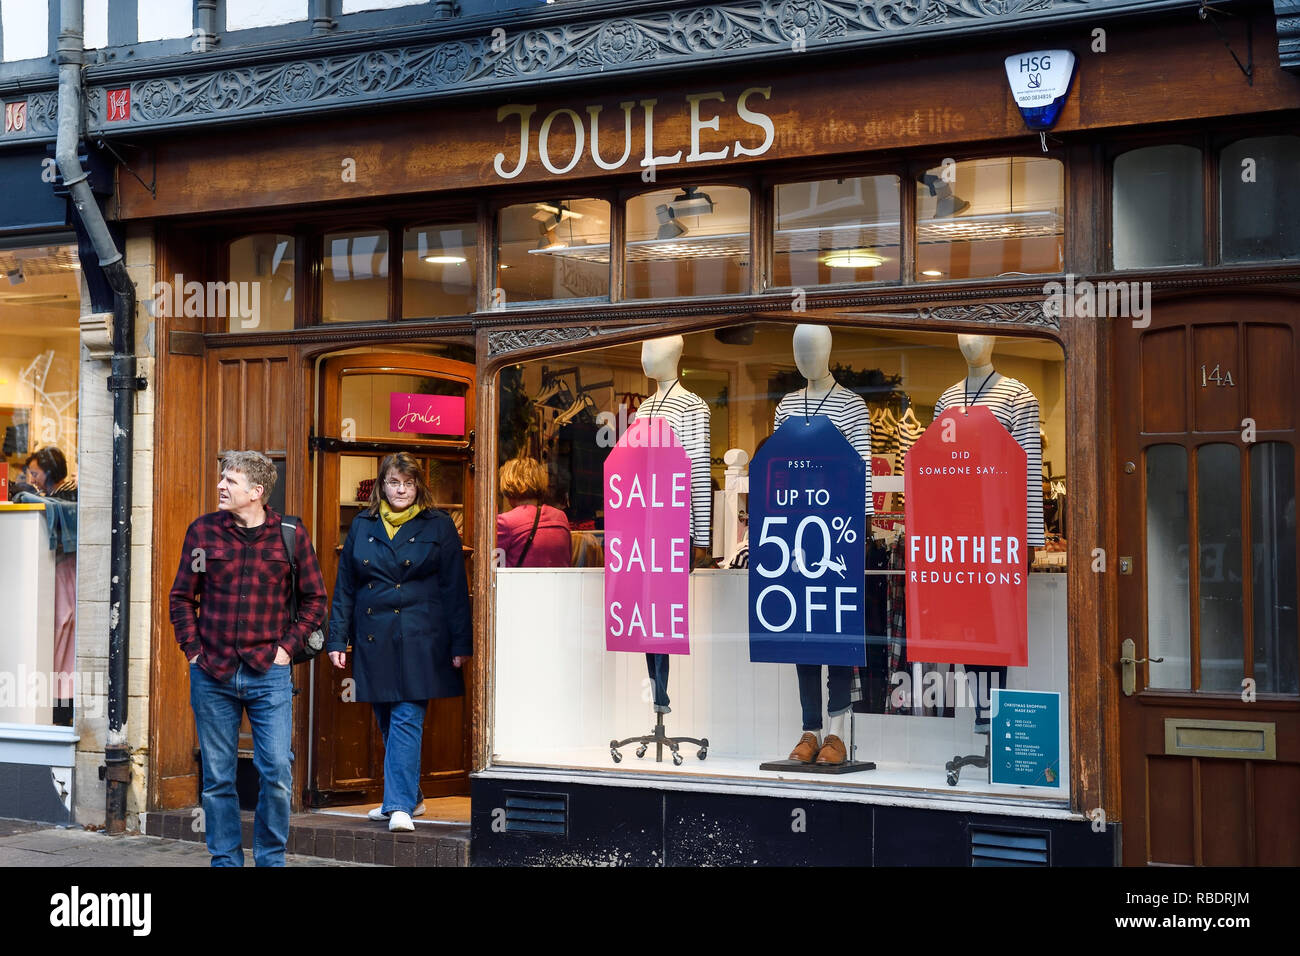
(807, 547)
(1025, 741)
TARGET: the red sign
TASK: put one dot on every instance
(426, 414)
(966, 547)
(15, 117)
(648, 541)
(119, 104)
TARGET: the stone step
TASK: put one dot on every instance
(336, 837)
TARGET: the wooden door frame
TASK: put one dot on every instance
(323, 365)
(1128, 444)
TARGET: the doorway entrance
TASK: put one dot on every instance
(1210, 704)
(371, 405)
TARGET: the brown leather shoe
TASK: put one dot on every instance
(806, 751)
(832, 751)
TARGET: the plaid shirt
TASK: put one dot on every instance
(245, 589)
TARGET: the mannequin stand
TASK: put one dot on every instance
(954, 765)
(659, 739)
(849, 766)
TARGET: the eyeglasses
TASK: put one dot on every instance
(399, 485)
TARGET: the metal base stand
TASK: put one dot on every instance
(660, 739)
(849, 766)
(954, 765)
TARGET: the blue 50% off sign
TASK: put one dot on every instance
(807, 559)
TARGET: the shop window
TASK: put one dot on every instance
(1258, 203)
(560, 696)
(1158, 208)
(985, 218)
(552, 249)
(354, 276)
(836, 230)
(689, 240)
(1273, 567)
(1218, 509)
(438, 270)
(262, 268)
(40, 351)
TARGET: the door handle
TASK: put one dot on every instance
(1128, 665)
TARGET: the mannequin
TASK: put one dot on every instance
(822, 395)
(1016, 408)
(688, 416)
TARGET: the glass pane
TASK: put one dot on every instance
(438, 269)
(1158, 210)
(1169, 626)
(837, 230)
(688, 241)
(354, 277)
(261, 266)
(40, 362)
(383, 406)
(446, 478)
(553, 249)
(1258, 200)
(990, 217)
(1273, 543)
(1218, 511)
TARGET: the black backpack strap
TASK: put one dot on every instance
(288, 533)
(532, 534)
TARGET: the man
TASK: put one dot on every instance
(240, 647)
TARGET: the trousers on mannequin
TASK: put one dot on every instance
(657, 666)
(838, 681)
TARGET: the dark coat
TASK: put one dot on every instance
(403, 605)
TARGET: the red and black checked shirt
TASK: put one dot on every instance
(233, 605)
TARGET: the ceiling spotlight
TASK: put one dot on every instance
(946, 204)
(691, 203)
(552, 214)
(550, 241)
(445, 260)
(15, 275)
(669, 227)
(853, 259)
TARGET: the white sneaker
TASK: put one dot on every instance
(378, 812)
(400, 820)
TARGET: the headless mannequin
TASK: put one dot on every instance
(978, 352)
(660, 360)
(812, 353)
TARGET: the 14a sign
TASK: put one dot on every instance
(648, 541)
(807, 487)
(966, 552)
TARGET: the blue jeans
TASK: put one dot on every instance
(218, 708)
(402, 724)
(838, 680)
(657, 666)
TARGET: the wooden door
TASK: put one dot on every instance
(1206, 432)
(354, 435)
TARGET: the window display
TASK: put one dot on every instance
(561, 697)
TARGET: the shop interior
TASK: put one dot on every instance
(908, 717)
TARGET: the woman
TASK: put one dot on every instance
(402, 600)
(531, 534)
(47, 473)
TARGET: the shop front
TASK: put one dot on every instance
(718, 252)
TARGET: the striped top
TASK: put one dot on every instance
(688, 416)
(1016, 408)
(846, 410)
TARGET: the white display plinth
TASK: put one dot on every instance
(560, 697)
(27, 603)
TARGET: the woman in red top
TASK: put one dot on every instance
(531, 534)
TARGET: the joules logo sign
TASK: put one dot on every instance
(612, 148)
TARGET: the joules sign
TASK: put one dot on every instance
(610, 141)
(426, 414)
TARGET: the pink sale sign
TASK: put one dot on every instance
(647, 541)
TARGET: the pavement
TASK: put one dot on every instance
(36, 844)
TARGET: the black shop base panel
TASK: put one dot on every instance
(521, 822)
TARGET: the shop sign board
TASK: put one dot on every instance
(967, 581)
(1025, 741)
(426, 414)
(648, 541)
(807, 547)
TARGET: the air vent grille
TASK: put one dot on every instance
(1008, 847)
(537, 813)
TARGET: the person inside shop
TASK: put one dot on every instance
(235, 568)
(48, 483)
(531, 534)
(401, 600)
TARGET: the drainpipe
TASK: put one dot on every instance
(122, 383)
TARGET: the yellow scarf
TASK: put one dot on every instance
(393, 520)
